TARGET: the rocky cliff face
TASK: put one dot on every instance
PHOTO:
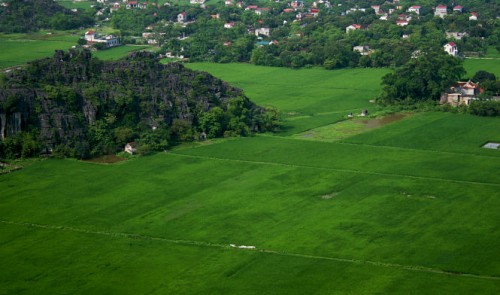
(61, 97)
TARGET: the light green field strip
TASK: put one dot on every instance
(340, 170)
(268, 251)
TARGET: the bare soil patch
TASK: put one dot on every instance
(107, 159)
(378, 122)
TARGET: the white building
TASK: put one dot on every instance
(263, 31)
(451, 48)
(182, 17)
(441, 11)
(414, 8)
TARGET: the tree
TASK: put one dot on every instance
(423, 78)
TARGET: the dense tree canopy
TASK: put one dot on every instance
(21, 16)
(424, 77)
(80, 106)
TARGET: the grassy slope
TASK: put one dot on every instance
(385, 211)
(308, 98)
(486, 64)
(118, 52)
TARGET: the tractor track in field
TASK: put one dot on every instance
(418, 268)
(338, 169)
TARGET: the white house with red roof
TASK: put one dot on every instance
(473, 16)
(131, 4)
(352, 28)
(90, 36)
(458, 8)
(376, 8)
(451, 48)
(261, 10)
(229, 25)
(441, 11)
(402, 22)
(414, 8)
(182, 17)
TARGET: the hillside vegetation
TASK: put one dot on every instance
(80, 106)
(20, 16)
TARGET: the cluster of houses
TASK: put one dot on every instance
(403, 19)
(302, 11)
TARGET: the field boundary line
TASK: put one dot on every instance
(342, 142)
(266, 251)
(336, 169)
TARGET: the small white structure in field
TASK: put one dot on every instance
(131, 147)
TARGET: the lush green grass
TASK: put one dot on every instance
(437, 131)
(491, 65)
(118, 52)
(308, 203)
(71, 4)
(492, 52)
(308, 98)
(400, 209)
(17, 49)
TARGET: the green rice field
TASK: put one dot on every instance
(18, 49)
(405, 206)
(491, 65)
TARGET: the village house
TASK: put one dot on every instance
(228, 3)
(456, 35)
(314, 12)
(363, 50)
(229, 25)
(92, 38)
(440, 11)
(115, 7)
(462, 93)
(196, 1)
(182, 17)
(458, 9)
(263, 32)
(131, 4)
(415, 9)
(297, 4)
(355, 9)
(451, 48)
(352, 28)
(260, 11)
(401, 22)
(376, 8)
(473, 16)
